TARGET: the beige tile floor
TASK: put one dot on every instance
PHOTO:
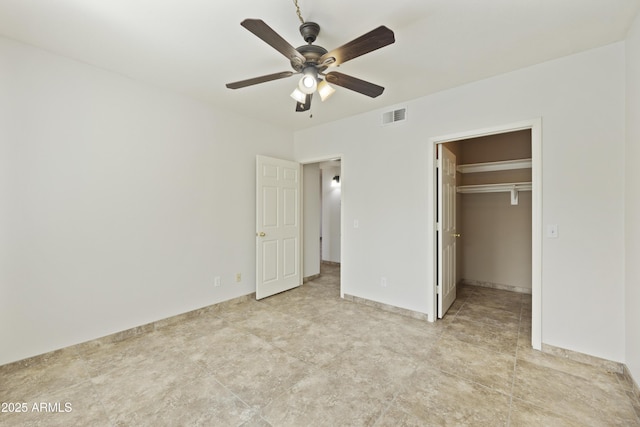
(308, 358)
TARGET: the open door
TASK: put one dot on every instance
(278, 231)
(446, 231)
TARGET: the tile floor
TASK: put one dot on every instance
(308, 358)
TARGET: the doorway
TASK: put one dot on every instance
(322, 215)
(331, 207)
(533, 130)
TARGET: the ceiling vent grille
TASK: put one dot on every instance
(394, 116)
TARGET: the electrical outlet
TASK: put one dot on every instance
(238, 277)
(216, 281)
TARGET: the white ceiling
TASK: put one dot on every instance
(195, 46)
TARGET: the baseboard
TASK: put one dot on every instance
(608, 365)
(138, 330)
(624, 375)
(633, 385)
(386, 307)
(485, 284)
(310, 278)
(331, 263)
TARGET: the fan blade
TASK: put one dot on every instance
(304, 107)
(273, 39)
(354, 84)
(375, 39)
(261, 79)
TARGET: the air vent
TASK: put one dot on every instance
(394, 116)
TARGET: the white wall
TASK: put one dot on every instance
(312, 206)
(119, 202)
(582, 104)
(632, 202)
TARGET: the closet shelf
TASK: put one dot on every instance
(495, 166)
(495, 188)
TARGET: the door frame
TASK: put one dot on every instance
(535, 125)
(313, 160)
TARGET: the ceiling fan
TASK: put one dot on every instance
(311, 61)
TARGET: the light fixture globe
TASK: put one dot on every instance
(298, 96)
(325, 90)
(309, 81)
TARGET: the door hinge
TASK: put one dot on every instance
(437, 226)
(438, 289)
(438, 163)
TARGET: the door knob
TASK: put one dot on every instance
(456, 235)
(261, 234)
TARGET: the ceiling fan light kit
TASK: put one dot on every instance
(325, 90)
(309, 81)
(312, 61)
(298, 95)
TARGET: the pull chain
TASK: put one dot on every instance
(298, 11)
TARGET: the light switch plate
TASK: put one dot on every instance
(552, 231)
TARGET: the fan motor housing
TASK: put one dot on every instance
(312, 54)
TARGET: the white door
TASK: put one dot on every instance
(446, 229)
(278, 231)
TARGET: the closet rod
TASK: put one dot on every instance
(508, 187)
(495, 188)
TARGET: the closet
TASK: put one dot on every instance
(494, 210)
